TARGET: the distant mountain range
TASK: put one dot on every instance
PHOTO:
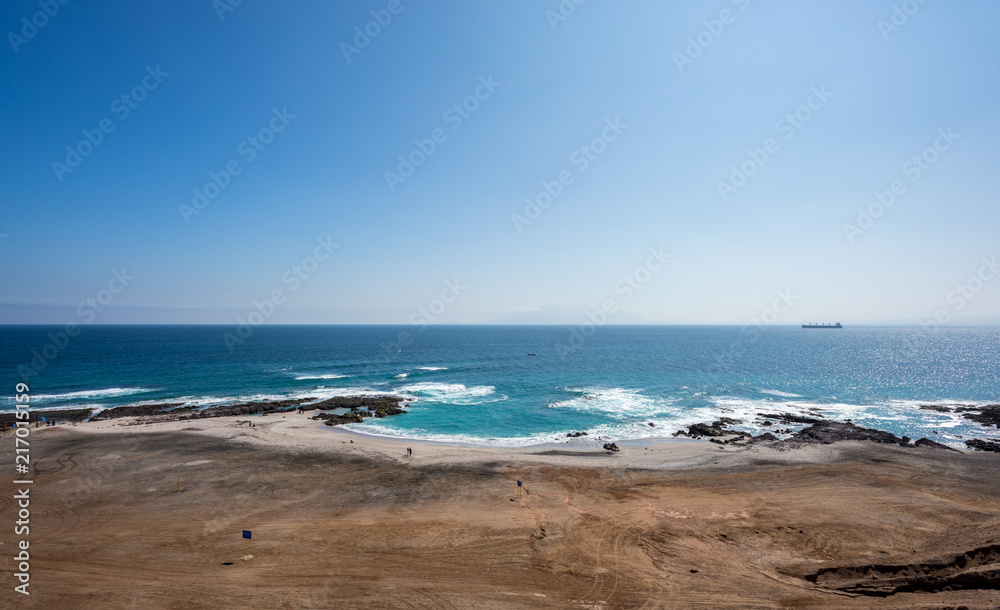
(60, 314)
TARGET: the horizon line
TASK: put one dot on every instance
(406, 324)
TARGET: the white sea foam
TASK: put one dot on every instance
(330, 376)
(873, 415)
(205, 401)
(319, 393)
(619, 402)
(453, 393)
(780, 393)
(324, 393)
(376, 429)
(432, 368)
(401, 376)
(87, 405)
(632, 412)
(85, 394)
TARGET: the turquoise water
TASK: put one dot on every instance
(479, 384)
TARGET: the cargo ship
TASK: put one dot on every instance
(837, 325)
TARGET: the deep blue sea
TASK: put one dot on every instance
(481, 384)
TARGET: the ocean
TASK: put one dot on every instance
(522, 385)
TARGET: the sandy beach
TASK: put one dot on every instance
(346, 520)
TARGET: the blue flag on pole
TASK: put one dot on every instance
(518, 483)
(246, 534)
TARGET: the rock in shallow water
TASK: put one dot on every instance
(979, 445)
(987, 416)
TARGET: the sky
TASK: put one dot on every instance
(405, 161)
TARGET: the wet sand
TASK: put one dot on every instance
(359, 525)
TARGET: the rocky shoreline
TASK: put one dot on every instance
(825, 432)
(355, 409)
(359, 406)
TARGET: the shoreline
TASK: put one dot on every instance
(783, 420)
(335, 523)
(298, 433)
(338, 412)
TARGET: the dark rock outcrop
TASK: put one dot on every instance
(926, 442)
(972, 569)
(611, 447)
(830, 432)
(247, 408)
(938, 408)
(789, 418)
(346, 418)
(714, 429)
(980, 445)
(372, 403)
(141, 411)
(987, 416)
(576, 434)
(767, 437)
(360, 408)
(386, 411)
(59, 415)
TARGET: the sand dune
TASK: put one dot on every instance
(358, 525)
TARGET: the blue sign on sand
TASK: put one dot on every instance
(518, 483)
(246, 534)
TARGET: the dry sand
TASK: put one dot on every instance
(359, 525)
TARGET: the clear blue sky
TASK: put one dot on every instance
(656, 185)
